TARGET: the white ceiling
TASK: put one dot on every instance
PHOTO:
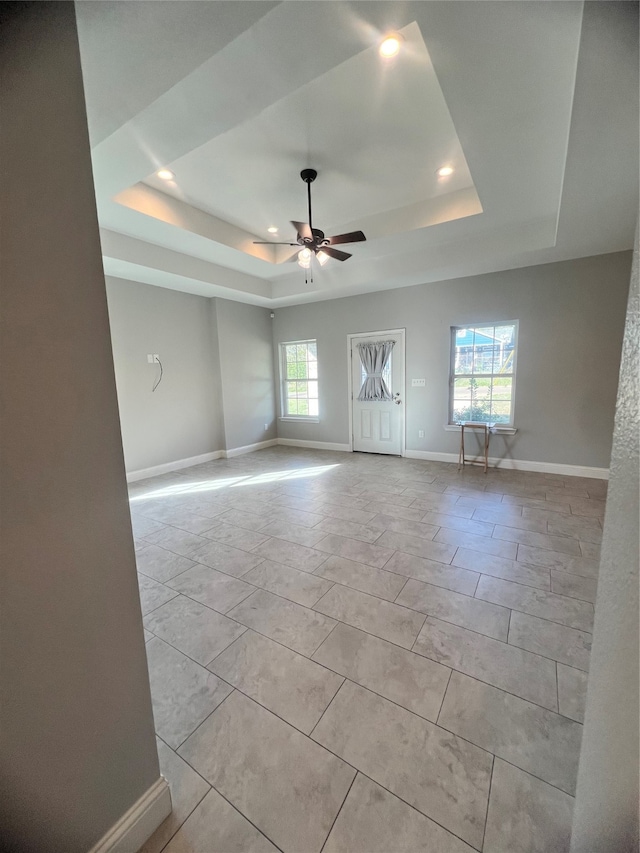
(534, 103)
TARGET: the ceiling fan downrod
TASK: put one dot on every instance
(309, 176)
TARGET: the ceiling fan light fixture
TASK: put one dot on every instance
(322, 257)
(444, 171)
(304, 258)
(390, 45)
(165, 174)
(272, 230)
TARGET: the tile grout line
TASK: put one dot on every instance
(355, 776)
(486, 816)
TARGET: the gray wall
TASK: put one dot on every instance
(183, 417)
(571, 323)
(245, 347)
(606, 808)
(78, 745)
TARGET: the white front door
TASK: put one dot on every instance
(378, 425)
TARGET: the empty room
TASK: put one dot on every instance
(320, 468)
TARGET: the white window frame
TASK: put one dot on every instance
(452, 365)
(284, 416)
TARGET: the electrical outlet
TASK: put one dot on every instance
(149, 358)
(420, 433)
(156, 358)
(418, 383)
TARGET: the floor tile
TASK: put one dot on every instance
(537, 602)
(489, 619)
(351, 529)
(536, 740)
(187, 790)
(510, 517)
(224, 558)
(359, 576)
(183, 692)
(248, 520)
(429, 571)
(160, 564)
(555, 560)
(173, 539)
(237, 537)
(372, 820)
(590, 550)
(498, 567)
(301, 587)
(217, 590)
(285, 784)
(465, 525)
(419, 547)
(295, 516)
(153, 594)
(143, 526)
(587, 529)
(216, 826)
(550, 639)
(535, 504)
(296, 556)
(485, 544)
(561, 544)
(563, 583)
(361, 552)
(307, 536)
(526, 815)
(403, 525)
(405, 678)
(444, 777)
(373, 615)
(412, 513)
(522, 673)
(572, 692)
(294, 626)
(194, 629)
(448, 505)
(290, 685)
(358, 513)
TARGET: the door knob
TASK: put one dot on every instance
(397, 402)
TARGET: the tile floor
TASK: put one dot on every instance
(354, 653)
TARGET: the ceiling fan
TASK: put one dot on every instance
(313, 241)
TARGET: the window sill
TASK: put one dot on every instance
(301, 420)
(496, 430)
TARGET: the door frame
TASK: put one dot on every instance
(400, 333)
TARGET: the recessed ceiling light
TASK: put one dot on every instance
(272, 230)
(444, 171)
(390, 45)
(165, 174)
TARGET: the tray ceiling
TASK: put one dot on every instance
(237, 98)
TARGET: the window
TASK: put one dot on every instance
(483, 373)
(299, 374)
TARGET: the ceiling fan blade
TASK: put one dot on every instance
(270, 243)
(351, 237)
(303, 230)
(335, 253)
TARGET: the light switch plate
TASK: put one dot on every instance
(418, 383)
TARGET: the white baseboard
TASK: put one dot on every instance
(139, 823)
(517, 465)
(166, 467)
(313, 445)
(248, 448)
(427, 455)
